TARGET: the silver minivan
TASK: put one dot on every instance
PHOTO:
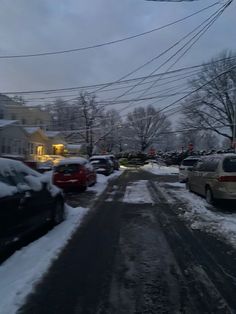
(214, 177)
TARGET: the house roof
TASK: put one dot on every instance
(31, 130)
(52, 133)
(4, 123)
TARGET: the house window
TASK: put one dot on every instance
(13, 116)
(40, 150)
(31, 148)
(23, 121)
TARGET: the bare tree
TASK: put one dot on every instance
(110, 135)
(213, 106)
(145, 126)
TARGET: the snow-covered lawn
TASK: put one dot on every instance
(20, 273)
(160, 170)
(203, 216)
(137, 193)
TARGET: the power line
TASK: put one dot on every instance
(29, 55)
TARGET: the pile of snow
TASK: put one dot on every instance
(137, 193)
(102, 182)
(22, 271)
(200, 215)
(160, 170)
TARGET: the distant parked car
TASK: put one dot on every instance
(27, 201)
(116, 164)
(74, 173)
(214, 177)
(186, 166)
(102, 164)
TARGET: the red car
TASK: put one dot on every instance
(74, 173)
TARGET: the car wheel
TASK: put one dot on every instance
(209, 196)
(59, 212)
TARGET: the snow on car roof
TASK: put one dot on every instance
(192, 157)
(100, 156)
(75, 160)
(9, 165)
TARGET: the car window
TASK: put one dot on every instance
(67, 169)
(229, 164)
(189, 162)
(7, 179)
(99, 161)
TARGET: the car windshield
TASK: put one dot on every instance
(189, 162)
(229, 164)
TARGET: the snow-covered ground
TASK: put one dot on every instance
(200, 215)
(102, 182)
(20, 273)
(23, 270)
(137, 193)
(160, 170)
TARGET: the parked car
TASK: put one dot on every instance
(214, 177)
(115, 161)
(74, 173)
(186, 166)
(27, 201)
(102, 164)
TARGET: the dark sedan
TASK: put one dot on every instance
(27, 201)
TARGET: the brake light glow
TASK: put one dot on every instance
(227, 179)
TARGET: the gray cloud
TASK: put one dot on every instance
(38, 26)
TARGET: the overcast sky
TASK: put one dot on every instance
(31, 26)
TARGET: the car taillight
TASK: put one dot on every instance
(227, 179)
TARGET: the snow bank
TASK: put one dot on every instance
(138, 193)
(201, 216)
(102, 182)
(160, 170)
(22, 271)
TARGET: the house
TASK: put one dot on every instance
(13, 140)
(37, 143)
(56, 143)
(11, 109)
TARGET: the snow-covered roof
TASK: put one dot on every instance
(52, 133)
(31, 130)
(73, 160)
(4, 123)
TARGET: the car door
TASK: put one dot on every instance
(10, 218)
(36, 202)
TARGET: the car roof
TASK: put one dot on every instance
(100, 157)
(192, 158)
(75, 160)
(9, 165)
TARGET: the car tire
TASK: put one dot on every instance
(209, 196)
(59, 212)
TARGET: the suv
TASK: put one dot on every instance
(27, 201)
(75, 173)
(102, 164)
(186, 166)
(214, 177)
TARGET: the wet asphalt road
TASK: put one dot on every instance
(137, 258)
